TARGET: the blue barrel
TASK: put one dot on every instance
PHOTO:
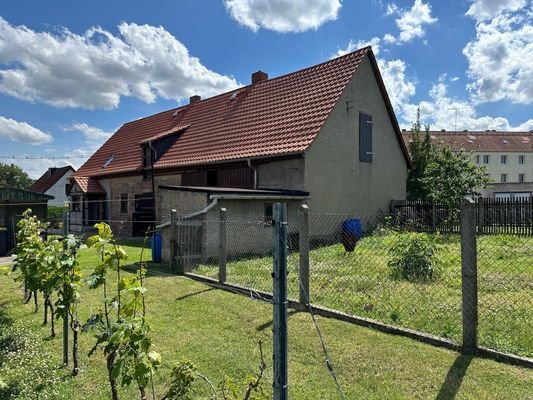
(352, 231)
(156, 247)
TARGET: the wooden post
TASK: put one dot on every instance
(469, 276)
(303, 271)
(279, 301)
(481, 214)
(222, 245)
(172, 241)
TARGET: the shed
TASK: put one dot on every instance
(13, 202)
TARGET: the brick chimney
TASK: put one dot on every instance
(259, 76)
(194, 99)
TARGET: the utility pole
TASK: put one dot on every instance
(279, 290)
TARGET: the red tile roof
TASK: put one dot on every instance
(49, 179)
(89, 185)
(168, 132)
(279, 116)
(486, 141)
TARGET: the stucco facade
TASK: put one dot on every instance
(335, 178)
(58, 191)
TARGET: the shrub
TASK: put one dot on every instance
(412, 257)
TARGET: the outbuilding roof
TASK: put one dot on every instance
(49, 178)
(271, 117)
(89, 185)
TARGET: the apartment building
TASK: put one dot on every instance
(507, 157)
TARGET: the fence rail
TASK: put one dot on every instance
(493, 216)
(353, 272)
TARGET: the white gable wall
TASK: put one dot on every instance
(335, 178)
(58, 191)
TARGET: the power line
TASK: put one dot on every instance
(43, 157)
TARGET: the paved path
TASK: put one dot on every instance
(7, 260)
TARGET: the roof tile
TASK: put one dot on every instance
(278, 116)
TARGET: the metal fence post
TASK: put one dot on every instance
(222, 247)
(481, 215)
(65, 315)
(279, 300)
(303, 271)
(172, 241)
(469, 276)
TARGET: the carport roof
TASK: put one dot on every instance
(236, 191)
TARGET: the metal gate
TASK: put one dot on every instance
(189, 244)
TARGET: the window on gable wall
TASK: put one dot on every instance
(365, 138)
(124, 203)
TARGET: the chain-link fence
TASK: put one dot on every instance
(375, 267)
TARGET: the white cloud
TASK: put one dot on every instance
(22, 132)
(96, 69)
(283, 15)
(36, 167)
(91, 133)
(399, 87)
(411, 22)
(499, 59)
(391, 9)
(353, 45)
(488, 9)
(445, 112)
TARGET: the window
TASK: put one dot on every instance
(504, 159)
(521, 178)
(485, 159)
(75, 204)
(212, 178)
(124, 203)
(365, 138)
(478, 158)
(268, 214)
(521, 159)
(503, 178)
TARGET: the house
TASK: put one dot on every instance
(507, 157)
(13, 202)
(325, 136)
(53, 183)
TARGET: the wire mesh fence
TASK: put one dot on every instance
(371, 267)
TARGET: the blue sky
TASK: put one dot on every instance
(72, 72)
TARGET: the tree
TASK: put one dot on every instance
(420, 150)
(13, 175)
(452, 176)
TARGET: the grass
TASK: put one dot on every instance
(219, 332)
(360, 283)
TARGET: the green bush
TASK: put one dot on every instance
(412, 257)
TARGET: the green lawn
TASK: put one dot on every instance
(360, 283)
(219, 331)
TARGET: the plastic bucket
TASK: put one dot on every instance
(156, 247)
(352, 231)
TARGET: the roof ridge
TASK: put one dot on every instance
(462, 133)
(362, 50)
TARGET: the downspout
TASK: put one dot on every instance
(254, 169)
(195, 214)
(152, 157)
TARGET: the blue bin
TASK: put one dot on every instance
(156, 247)
(352, 231)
